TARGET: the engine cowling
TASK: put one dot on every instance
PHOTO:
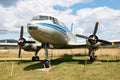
(32, 47)
(93, 39)
(93, 42)
(21, 41)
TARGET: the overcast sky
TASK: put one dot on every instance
(82, 13)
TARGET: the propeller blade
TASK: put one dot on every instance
(21, 32)
(20, 44)
(104, 41)
(82, 36)
(19, 53)
(96, 28)
(30, 42)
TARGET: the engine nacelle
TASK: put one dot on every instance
(94, 46)
(32, 47)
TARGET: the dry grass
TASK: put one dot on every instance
(13, 53)
(103, 51)
(65, 66)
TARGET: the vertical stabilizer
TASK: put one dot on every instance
(72, 28)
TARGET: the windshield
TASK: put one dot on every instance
(40, 18)
(54, 20)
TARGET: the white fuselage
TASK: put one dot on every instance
(49, 31)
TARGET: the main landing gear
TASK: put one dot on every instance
(92, 56)
(46, 62)
(36, 58)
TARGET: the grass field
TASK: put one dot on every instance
(63, 67)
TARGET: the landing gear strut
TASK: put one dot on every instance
(46, 61)
(92, 56)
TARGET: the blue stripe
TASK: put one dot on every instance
(59, 28)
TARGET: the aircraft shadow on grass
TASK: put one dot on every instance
(65, 58)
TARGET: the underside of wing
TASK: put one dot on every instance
(8, 45)
(113, 42)
(77, 44)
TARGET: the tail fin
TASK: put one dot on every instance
(72, 28)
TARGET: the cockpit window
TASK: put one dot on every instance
(43, 17)
(40, 18)
(54, 20)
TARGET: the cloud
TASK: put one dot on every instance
(13, 17)
(108, 18)
(68, 3)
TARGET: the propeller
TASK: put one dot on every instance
(82, 36)
(93, 39)
(22, 41)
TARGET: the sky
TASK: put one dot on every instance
(82, 13)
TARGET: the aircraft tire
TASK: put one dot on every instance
(35, 58)
(47, 63)
(92, 58)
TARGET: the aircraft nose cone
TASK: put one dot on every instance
(30, 24)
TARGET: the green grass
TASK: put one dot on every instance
(64, 67)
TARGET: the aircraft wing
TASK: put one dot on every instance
(113, 42)
(82, 44)
(77, 44)
(8, 44)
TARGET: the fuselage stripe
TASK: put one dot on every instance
(54, 27)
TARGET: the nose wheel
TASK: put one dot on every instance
(46, 63)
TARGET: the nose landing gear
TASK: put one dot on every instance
(46, 61)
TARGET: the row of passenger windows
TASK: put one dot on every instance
(54, 20)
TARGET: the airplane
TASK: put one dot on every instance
(53, 34)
